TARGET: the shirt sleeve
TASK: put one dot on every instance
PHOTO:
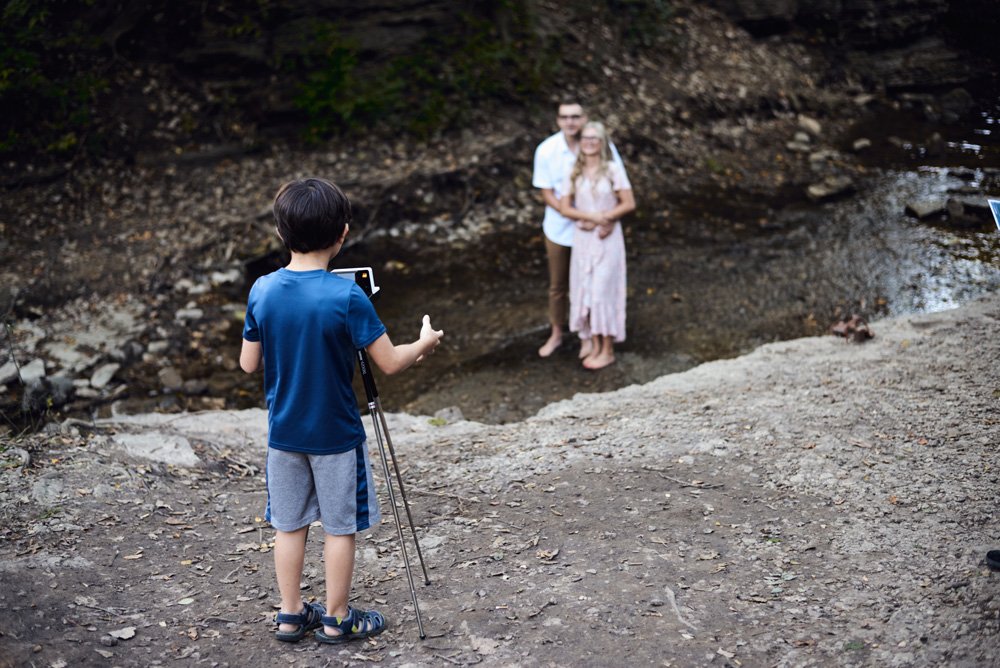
(541, 178)
(250, 330)
(362, 320)
(617, 159)
(619, 179)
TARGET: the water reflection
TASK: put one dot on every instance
(703, 284)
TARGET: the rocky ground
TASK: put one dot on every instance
(125, 281)
(815, 502)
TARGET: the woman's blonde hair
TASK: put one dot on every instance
(605, 156)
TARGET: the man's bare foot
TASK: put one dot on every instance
(596, 362)
(555, 340)
(586, 348)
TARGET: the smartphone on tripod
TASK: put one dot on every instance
(363, 276)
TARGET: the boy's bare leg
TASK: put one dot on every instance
(338, 556)
(289, 555)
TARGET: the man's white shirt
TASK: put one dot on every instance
(553, 164)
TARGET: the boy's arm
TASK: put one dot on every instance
(393, 359)
(250, 356)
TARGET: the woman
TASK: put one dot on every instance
(598, 194)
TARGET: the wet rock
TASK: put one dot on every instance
(925, 209)
(830, 187)
(968, 212)
(861, 144)
(955, 104)
(103, 375)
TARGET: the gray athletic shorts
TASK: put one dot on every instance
(337, 489)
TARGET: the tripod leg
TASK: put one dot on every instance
(395, 513)
(402, 491)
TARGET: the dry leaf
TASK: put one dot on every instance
(123, 634)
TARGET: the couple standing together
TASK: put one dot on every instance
(586, 192)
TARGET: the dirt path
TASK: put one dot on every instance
(811, 503)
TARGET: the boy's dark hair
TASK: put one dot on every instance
(311, 214)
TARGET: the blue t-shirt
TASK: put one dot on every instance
(310, 325)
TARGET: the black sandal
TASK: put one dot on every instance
(356, 625)
(311, 617)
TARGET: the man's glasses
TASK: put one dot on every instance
(570, 117)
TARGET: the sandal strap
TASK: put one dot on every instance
(356, 621)
(311, 613)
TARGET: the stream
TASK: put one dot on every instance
(708, 278)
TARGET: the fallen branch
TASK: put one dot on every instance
(677, 611)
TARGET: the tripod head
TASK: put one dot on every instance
(363, 276)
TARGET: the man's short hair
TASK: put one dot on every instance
(569, 101)
(311, 214)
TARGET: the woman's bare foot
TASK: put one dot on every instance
(550, 346)
(586, 348)
(599, 361)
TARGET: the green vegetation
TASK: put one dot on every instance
(642, 22)
(57, 58)
(47, 77)
(434, 86)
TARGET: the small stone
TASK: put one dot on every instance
(810, 125)
(103, 375)
(170, 378)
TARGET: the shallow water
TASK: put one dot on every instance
(708, 278)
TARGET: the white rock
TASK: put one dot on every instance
(103, 375)
(810, 125)
(158, 447)
(33, 370)
(8, 373)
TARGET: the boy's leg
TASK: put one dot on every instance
(338, 555)
(289, 556)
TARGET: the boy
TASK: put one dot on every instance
(303, 326)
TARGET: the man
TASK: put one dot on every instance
(554, 160)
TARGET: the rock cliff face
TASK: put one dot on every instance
(898, 43)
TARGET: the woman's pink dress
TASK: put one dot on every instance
(597, 266)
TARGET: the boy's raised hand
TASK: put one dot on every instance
(429, 336)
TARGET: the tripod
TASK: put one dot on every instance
(381, 430)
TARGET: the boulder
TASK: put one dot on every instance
(925, 208)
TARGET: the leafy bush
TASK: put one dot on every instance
(435, 86)
(46, 90)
